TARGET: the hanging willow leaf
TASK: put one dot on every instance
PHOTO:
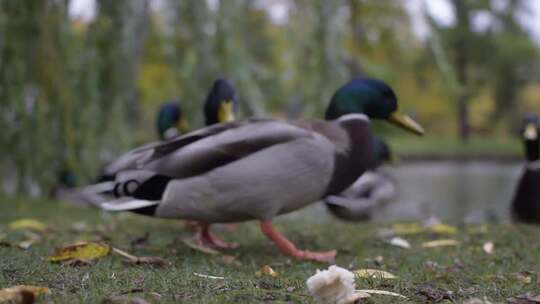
(81, 251)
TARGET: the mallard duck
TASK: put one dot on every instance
(170, 121)
(219, 106)
(368, 194)
(257, 169)
(526, 203)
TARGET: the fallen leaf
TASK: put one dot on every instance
(205, 276)
(373, 273)
(488, 247)
(524, 299)
(521, 277)
(266, 271)
(399, 242)
(26, 244)
(198, 247)
(443, 229)
(141, 260)
(412, 228)
(381, 292)
(22, 293)
(82, 251)
(440, 243)
(27, 224)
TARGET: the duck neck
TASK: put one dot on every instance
(532, 150)
(352, 163)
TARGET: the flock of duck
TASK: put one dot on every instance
(256, 169)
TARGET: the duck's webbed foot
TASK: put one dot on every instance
(205, 237)
(288, 248)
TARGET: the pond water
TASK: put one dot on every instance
(472, 191)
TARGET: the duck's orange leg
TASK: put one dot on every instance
(288, 248)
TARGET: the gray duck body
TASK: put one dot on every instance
(253, 169)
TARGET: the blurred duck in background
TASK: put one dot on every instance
(526, 203)
(371, 193)
(220, 106)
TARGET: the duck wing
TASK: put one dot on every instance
(204, 150)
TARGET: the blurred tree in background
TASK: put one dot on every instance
(74, 92)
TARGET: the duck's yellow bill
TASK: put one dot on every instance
(406, 122)
(530, 132)
(226, 111)
(183, 125)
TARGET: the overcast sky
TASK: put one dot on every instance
(440, 9)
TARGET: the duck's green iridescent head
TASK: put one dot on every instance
(220, 104)
(373, 98)
(170, 121)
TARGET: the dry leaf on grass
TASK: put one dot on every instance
(27, 224)
(266, 271)
(86, 251)
(440, 243)
(22, 293)
(191, 244)
(443, 229)
(524, 299)
(410, 228)
(205, 276)
(488, 247)
(131, 259)
(26, 244)
(522, 277)
(373, 273)
(399, 242)
(381, 292)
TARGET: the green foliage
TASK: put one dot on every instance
(75, 93)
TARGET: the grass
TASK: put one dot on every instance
(424, 275)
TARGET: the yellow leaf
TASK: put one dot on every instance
(13, 294)
(381, 292)
(80, 251)
(27, 224)
(412, 228)
(443, 228)
(266, 271)
(374, 273)
(440, 243)
(26, 244)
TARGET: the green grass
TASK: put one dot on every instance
(451, 146)
(465, 271)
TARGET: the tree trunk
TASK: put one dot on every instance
(462, 63)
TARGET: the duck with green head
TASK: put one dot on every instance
(526, 203)
(257, 169)
(369, 194)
